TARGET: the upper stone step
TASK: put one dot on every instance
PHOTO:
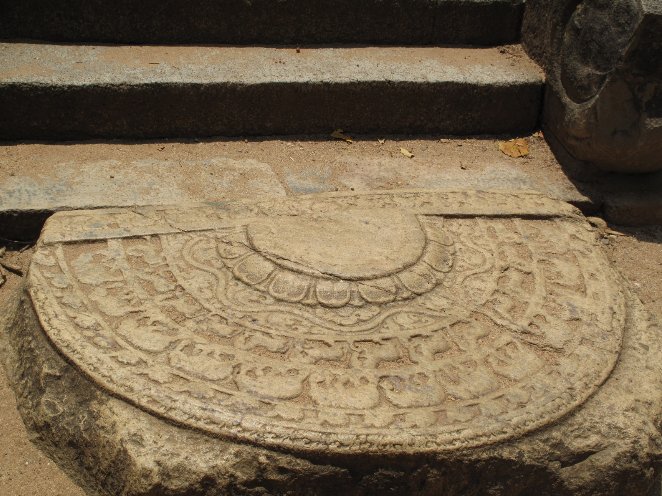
(484, 22)
(71, 92)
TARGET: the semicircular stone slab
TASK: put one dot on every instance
(371, 324)
(387, 322)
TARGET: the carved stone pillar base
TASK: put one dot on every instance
(604, 78)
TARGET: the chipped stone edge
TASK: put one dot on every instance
(105, 223)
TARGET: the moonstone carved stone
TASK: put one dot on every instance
(338, 342)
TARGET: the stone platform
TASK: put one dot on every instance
(416, 342)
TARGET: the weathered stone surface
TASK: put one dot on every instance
(424, 342)
(634, 209)
(483, 22)
(125, 183)
(632, 199)
(53, 177)
(364, 175)
(72, 92)
(29, 197)
(604, 72)
(623, 199)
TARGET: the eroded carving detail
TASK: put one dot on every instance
(339, 260)
(479, 329)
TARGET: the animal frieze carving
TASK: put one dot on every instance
(377, 321)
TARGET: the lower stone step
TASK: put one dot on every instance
(39, 179)
(339, 344)
(72, 92)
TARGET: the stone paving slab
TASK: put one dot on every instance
(634, 209)
(36, 178)
(363, 175)
(53, 177)
(633, 199)
(73, 92)
(111, 183)
(483, 22)
(299, 344)
(29, 197)
(625, 199)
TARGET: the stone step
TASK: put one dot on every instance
(483, 22)
(39, 179)
(72, 92)
(53, 177)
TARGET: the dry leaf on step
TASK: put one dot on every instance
(515, 148)
(406, 153)
(338, 134)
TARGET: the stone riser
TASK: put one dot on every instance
(264, 21)
(192, 110)
(71, 92)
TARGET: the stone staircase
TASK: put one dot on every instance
(286, 82)
(183, 71)
(213, 335)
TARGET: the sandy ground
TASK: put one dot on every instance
(638, 255)
(25, 471)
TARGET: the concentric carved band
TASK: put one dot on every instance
(485, 328)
